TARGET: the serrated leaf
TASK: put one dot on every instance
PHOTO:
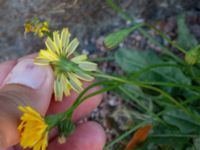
(182, 121)
(134, 60)
(131, 60)
(185, 39)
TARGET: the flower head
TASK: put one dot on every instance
(33, 129)
(38, 28)
(68, 70)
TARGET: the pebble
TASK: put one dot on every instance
(99, 43)
(112, 102)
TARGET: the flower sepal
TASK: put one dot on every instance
(53, 120)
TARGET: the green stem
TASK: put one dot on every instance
(169, 84)
(141, 105)
(151, 67)
(119, 10)
(121, 137)
(80, 98)
(174, 101)
(53, 120)
(166, 38)
(165, 50)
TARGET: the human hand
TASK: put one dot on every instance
(23, 82)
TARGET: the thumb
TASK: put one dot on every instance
(26, 84)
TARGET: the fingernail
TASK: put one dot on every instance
(28, 74)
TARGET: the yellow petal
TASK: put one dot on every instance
(28, 27)
(57, 40)
(88, 66)
(66, 85)
(75, 83)
(84, 76)
(72, 47)
(51, 46)
(32, 129)
(65, 36)
(58, 90)
(47, 54)
(79, 58)
(41, 61)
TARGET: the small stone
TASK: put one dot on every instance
(112, 103)
(99, 43)
(138, 37)
(85, 51)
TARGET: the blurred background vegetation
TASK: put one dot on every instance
(88, 20)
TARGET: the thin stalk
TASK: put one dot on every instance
(78, 99)
(170, 84)
(166, 38)
(116, 8)
(150, 67)
(165, 50)
(174, 101)
(121, 137)
(141, 105)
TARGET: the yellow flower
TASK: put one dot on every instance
(32, 129)
(28, 28)
(37, 28)
(68, 70)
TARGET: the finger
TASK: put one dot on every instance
(26, 84)
(87, 136)
(85, 108)
(5, 68)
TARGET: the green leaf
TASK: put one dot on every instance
(182, 121)
(185, 39)
(165, 139)
(165, 142)
(197, 143)
(132, 61)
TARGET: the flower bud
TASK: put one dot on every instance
(65, 129)
(191, 57)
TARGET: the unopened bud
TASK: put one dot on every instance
(191, 57)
